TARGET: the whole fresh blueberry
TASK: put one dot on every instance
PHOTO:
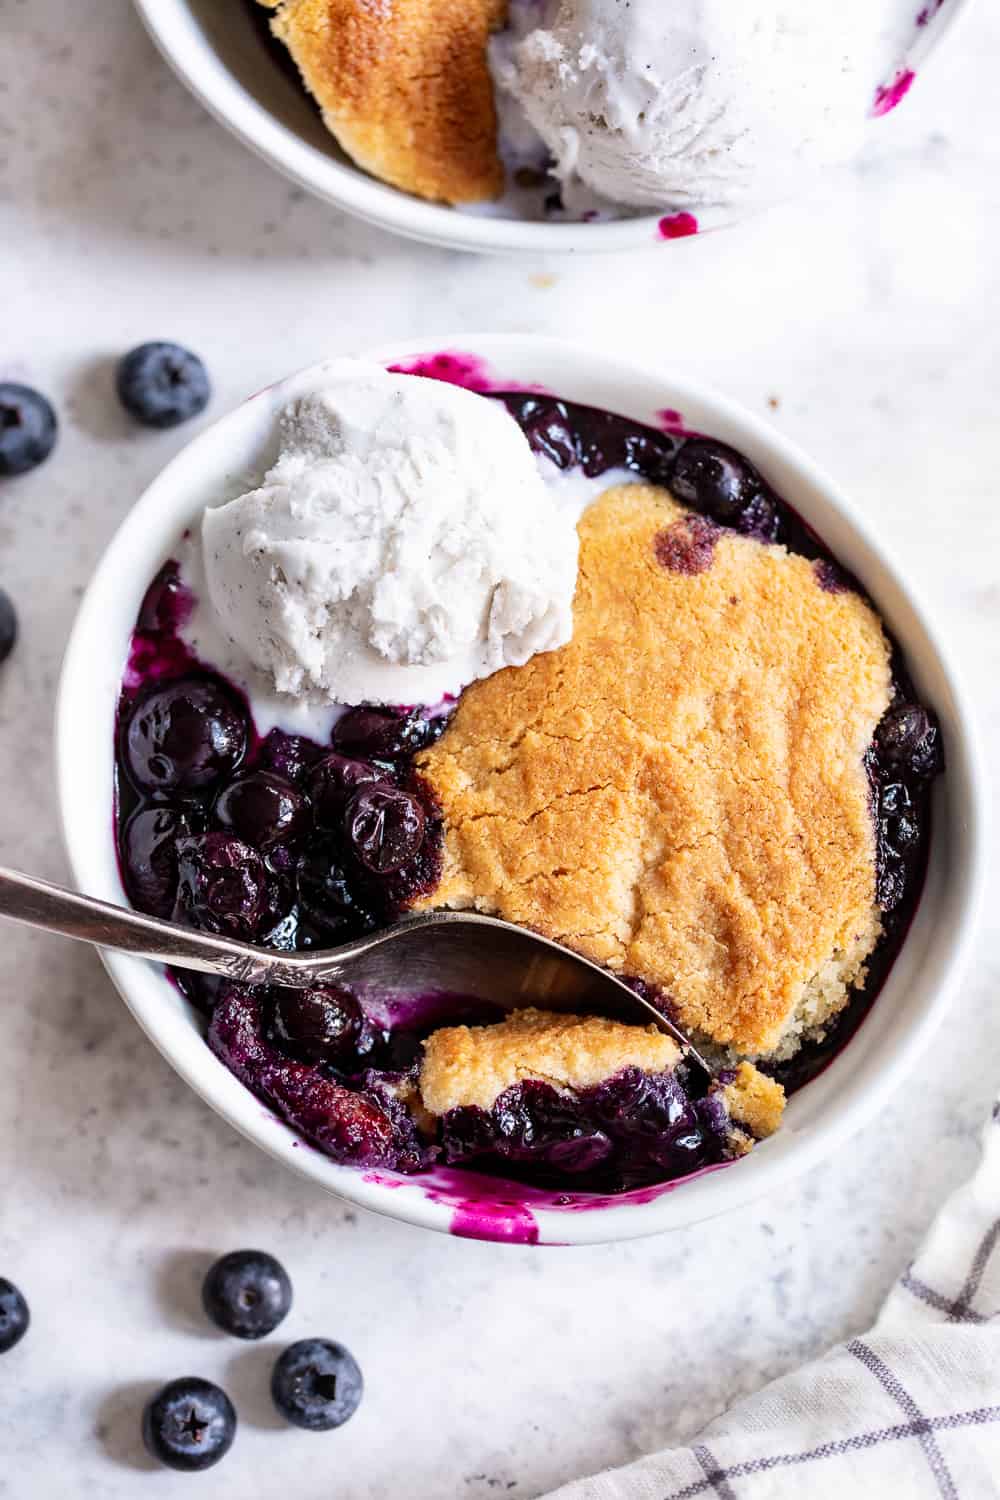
(264, 809)
(222, 886)
(333, 782)
(908, 738)
(320, 1025)
(714, 480)
(161, 384)
(149, 855)
(189, 1424)
(184, 737)
(317, 1384)
(385, 827)
(14, 1315)
(28, 429)
(247, 1293)
(8, 626)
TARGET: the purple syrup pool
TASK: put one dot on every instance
(281, 840)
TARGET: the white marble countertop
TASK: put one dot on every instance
(866, 321)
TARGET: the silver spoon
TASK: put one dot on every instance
(458, 952)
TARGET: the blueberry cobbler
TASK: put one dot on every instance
(659, 724)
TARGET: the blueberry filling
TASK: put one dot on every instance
(632, 1129)
(296, 844)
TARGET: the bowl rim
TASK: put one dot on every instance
(176, 35)
(130, 555)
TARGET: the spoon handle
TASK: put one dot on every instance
(39, 904)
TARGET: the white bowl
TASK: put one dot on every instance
(217, 51)
(822, 1116)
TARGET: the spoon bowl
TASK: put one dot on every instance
(456, 952)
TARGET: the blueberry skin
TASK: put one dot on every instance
(162, 384)
(384, 827)
(14, 1315)
(189, 1424)
(8, 626)
(320, 1025)
(28, 429)
(717, 481)
(264, 809)
(247, 1293)
(316, 1384)
(183, 737)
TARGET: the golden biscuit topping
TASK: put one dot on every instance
(473, 1065)
(680, 793)
(405, 87)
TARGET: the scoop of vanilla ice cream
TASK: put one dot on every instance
(402, 545)
(698, 102)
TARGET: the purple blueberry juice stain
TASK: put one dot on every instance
(671, 421)
(687, 545)
(678, 226)
(454, 368)
(194, 783)
(889, 95)
(928, 13)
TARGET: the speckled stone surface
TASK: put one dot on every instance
(866, 321)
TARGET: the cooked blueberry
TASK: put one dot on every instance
(161, 384)
(385, 827)
(167, 602)
(759, 518)
(714, 480)
(650, 456)
(288, 755)
(320, 1025)
(349, 1126)
(264, 809)
(14, 1315)
(580, 1153)
(909, 738)
(326, 894)
(383, 733)
(333, 782)
(895, 798)
(189, 1424)
(903, 832)
(247, 1293)
(8, 626)
(28, 429)
(201, 990)
(222, 886)
(890, 880)
(546, 425)
(234, 1033)
(317, 1384)
(185, 736)
(149, 855)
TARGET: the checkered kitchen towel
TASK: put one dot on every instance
(912, 1410)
